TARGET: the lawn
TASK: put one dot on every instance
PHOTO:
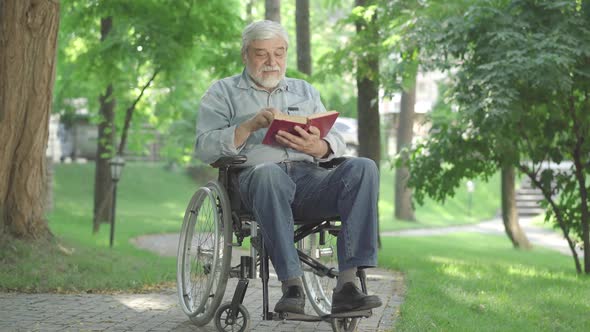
(462, 282)
(464, 208)
(150, 200)
(472, 282)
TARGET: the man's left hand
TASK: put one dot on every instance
(306, 142)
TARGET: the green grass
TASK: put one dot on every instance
(471, 282)
(485, 204)
(462, 282)
(149, 200)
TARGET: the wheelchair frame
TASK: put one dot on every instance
(212, 258)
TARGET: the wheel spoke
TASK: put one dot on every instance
(203, 261)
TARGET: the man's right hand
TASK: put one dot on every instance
(262, 119)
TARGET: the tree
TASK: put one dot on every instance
(367, 78)
(522, 89)
(103, 200)
(303, 38)
(168, 48)
(509, 210)
(28, 42)
(405, 131)
(273, 10)
(397, 21)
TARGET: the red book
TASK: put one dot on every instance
(323, 121)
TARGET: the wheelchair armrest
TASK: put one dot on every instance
(229, 161)
(333, 163)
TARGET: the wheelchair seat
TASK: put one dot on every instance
(215, 221)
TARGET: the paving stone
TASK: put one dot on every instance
(160, 312)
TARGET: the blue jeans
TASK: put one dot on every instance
(276, 193)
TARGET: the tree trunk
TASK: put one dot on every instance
(249, 6)
(303, 39)
(369, 133)
(581, 178)
(273, 10)
(405, 132)
(103, 200)
(28, 43)
(509, 210)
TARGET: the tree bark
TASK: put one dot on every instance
(303, 39)
(509, 210)
(369, 133)
(273, 10)
(249, 6)
(28, 44)
(367, 82)
(103, 200)
(405, 132)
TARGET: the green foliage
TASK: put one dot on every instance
(521, 85)
(186, 42)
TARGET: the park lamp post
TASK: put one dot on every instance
(470, 189)
(117, 163)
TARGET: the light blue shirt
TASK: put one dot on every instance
(235, 99)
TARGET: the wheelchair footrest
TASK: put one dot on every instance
(311, 318)
(297, 317)
(351, 314)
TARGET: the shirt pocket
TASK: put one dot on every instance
(301, 108)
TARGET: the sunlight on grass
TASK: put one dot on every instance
(457, 210)
(475, 282)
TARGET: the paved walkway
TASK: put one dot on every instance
(538, 236)
(161, 312)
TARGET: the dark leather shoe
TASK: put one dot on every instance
(350, 298)
(293, 300)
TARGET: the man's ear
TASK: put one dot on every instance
(244, 55)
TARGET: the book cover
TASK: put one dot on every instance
(323, 121)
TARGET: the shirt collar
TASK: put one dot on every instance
(246, 82)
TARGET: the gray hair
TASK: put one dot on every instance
(263, 30)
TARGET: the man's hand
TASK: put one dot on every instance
(262, 119)
(307, 142)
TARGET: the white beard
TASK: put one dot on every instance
(270, 82)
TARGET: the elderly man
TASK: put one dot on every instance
(279, 183)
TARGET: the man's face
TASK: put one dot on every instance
(266, 61)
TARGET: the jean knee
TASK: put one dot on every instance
(268, 176)
(362, 169)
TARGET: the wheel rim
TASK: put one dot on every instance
(319, 288)
(344, 324)
(202, 252)
(202, 269)
(224, 321)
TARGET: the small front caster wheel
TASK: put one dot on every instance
(345, 324)
(224, 321)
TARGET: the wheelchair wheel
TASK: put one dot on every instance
(204, 253)
(319, 288)
(344, 324)
(224, 321)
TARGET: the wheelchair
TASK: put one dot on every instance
(215, 222)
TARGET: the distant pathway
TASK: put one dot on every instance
(538, 236)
